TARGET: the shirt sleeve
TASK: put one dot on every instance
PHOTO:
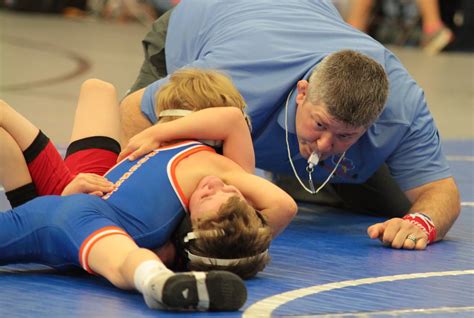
(419, 158)
(148, 99)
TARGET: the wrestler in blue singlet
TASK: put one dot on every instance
(147, 205)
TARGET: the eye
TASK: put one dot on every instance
(344, 137)
(319, 126)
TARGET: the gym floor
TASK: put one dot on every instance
(323, 265)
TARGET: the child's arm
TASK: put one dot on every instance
(217, 123)
(278, 207)
(132, 119)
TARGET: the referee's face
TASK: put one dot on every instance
(317, 131)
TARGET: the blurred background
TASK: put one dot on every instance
(49, 47)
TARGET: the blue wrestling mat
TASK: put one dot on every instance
(323, 265)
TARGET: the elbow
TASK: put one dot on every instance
(286, 209)
(457, 210)
(457, 200)
(291, 208)
(235, 115)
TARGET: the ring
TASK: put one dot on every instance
(412, 238)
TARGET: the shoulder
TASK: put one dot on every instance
(204, 163)
(406, 100)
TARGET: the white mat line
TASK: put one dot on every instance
(265, 307)
(395, 313)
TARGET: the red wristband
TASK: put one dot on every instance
(424, 222)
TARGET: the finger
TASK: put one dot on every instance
(97, 193)
(105, 185)
(390, 232)
(132, 156)
(103, 181)
(374, 231)
(123, 154)
(96, 180)
(409, 244)
(90, 186)
(400, 238)
(421, 243)
(140, 152)
(101, 188)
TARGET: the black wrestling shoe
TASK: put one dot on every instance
(213, 291)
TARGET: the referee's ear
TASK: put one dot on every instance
(302, 88)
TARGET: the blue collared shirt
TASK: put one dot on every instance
(266, 47)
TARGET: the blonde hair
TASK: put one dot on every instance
(195, 89)
(246, 234)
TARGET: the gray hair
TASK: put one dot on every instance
(352, 86)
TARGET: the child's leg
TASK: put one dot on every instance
(20, 128)
(436, 36)
(431, 16)
(123, 263)
(28, 233)
(14, 174)
(97, 112)
(44, 163)
(94, 142)
(360, 14)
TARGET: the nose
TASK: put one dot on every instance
(229, 189)
(325, 143)
(215, 183)
(213, 186)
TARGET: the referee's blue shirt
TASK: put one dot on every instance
(266, 47)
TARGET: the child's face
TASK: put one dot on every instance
(209, 195)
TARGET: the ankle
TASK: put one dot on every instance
(146, 270)
(433, 27)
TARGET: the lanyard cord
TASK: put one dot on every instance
(308, 168)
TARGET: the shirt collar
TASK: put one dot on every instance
(290, 107)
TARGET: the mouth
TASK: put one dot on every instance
(305, 150)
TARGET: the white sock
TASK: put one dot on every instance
(144, 273)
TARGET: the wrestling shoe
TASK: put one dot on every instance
(196, 291)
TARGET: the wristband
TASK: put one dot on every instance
(424, 222)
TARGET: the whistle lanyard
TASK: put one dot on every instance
(309, 168)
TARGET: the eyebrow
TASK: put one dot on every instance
(206, 199)
(317, 118)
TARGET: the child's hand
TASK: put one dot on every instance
(140, 145)
(88, 183)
